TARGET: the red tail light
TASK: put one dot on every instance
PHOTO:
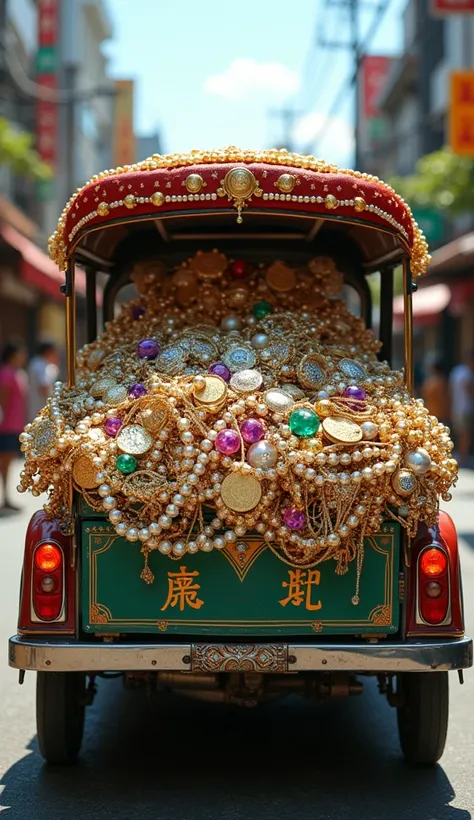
(48, 582)
(433, 585)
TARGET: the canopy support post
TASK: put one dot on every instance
(91, 306)
(70, 324)
(386, 314)
(408, 325)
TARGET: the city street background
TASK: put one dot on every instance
(169, 759)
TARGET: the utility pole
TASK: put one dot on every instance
(288, 117)
(353, 45)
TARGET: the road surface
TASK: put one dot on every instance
(179, 760)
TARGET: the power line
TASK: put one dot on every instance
(359, 50)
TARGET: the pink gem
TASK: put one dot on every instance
(227, 442)
(112, 426)
(294, 519)
(252, 430)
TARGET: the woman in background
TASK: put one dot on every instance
(435, 391)
(13, 392)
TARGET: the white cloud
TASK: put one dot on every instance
(245, 77)
(334, 137)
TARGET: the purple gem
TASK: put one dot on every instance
(294, 519)
(219, 369)
(137, 390)
(357, 393)
(112, 426)
(252, 430)
(227, 442)
(138, 311)
(148, 349)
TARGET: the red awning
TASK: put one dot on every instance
(36, 268)
(428, 304)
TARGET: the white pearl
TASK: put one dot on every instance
(172, 510)
(121, 528)
(263, 454)
(104, 490)
(165, 547)
(132, 534)
(259, 341)
(165, 522)
(143, 534)
(109, 503)
(419, 461)
(231, 322)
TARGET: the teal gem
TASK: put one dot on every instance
(126, 464)
(260, 309)
(304, 422)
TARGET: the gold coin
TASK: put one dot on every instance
(280, 277)
(115, 395)
(341, 430)
(154, 417)
(213, 392)
(134, 440)
(84, 473)
(278, 400)
(240, 492)
(99, 387)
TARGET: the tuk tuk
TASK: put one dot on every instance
(242, 494)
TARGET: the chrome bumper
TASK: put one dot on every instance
(72, 656)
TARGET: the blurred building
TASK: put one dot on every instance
(412, 105)
(49, 47)
(148, 145)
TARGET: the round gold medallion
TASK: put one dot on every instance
(84, 473)
(285, 183)
(241, 492)
(208, 264)
(280, 277)
(194, 183)
(154, 417)
(341, 430)
(239, 183)
(134, 440)
(213, 392)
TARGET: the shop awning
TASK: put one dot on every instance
(36, 268)
(428, 304)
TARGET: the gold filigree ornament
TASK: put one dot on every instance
(312, 371)
(43, 437)
(239, 185)
(143, 485)
(134, 440)
(154, 416)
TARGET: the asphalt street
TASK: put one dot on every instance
(171, 759)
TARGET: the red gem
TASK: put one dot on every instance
(238, 269)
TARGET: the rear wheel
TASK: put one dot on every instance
(423, 715)
(60, 713)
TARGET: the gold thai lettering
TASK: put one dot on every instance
(183, 590)
(300, 586)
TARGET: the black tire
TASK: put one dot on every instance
(60, 714)
(423, 715)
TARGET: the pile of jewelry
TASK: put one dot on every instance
(248, 390)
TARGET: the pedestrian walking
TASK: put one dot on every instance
(13, 390)
(43, 371)
(435, 391)
(461, 382)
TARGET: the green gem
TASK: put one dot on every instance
(304, 422)
(260, 309)
(126, 464)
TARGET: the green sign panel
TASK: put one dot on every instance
(47, 61)
(45, 189)
(431, 223)
(242, 590)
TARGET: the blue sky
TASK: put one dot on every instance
(208, 73)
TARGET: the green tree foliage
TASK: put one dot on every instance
(17, 152)
(442, 180)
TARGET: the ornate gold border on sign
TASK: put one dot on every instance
(236, 658)
(380, 615)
